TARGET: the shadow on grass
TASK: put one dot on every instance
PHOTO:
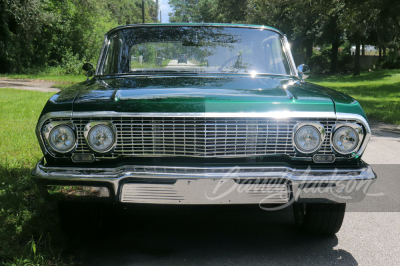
(26, 218)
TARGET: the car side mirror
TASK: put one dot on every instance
(89, 68)
(304, 71)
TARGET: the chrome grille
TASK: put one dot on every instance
(202, 137)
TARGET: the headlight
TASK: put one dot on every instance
(61, 139)
(345, 139)
(308, 138)
(100, 138)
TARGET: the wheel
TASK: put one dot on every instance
(319, 218)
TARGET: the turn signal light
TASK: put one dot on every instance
(324, 158)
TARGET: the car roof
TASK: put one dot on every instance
(180, 24)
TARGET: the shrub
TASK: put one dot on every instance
(321, 62)
(71, 64)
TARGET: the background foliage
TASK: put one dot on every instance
(60, 34)
(331, 24)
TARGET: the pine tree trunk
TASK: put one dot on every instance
(334, 56)
(309, 49)
(357, 59)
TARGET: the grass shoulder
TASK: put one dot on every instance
(377, 91)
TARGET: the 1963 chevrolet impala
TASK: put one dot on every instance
(237, 124)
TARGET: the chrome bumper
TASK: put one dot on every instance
(216, 185)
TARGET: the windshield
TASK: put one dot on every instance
(195, 49)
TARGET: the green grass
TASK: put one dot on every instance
(166, 62)
(25, 218)
(378, 92)
(63, 79)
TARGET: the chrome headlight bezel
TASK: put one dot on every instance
(49, 127)
(94, 124)
(357, 128)
(318, 126)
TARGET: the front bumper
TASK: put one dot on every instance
(215, 185)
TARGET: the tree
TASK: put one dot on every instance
(35, 34)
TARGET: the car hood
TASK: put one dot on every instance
(203, 94)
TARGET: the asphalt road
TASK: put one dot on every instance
(174, 64)
(231, 235)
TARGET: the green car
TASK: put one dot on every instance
(239, 125)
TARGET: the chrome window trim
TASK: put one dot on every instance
(151, 25)
(285, 44)
(318, 126)
(276, 115)
(358, 130)
(174, 75)
(93, 124)
(289, 57)
(100, 60)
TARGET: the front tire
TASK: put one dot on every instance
(319, 218)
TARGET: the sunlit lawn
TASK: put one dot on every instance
(378, 92)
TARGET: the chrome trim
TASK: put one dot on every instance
(52, 125)
(93, 124)
(296, 178)
(363, 121)
(318, 126)
(198, 192)
(359, 133)
(184, 172)
(42, 120)
(274, 115)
